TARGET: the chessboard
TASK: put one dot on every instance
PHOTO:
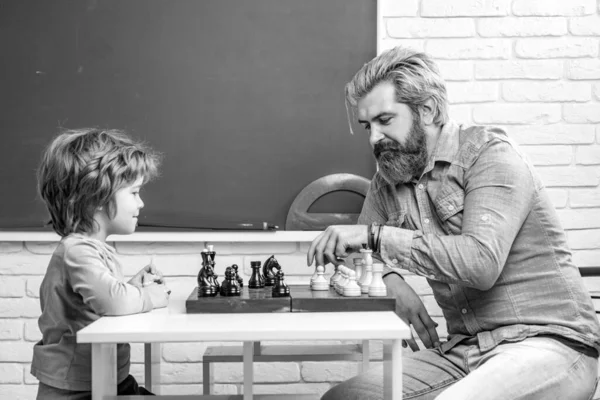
(301, 299)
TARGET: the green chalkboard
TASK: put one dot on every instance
(243, 97)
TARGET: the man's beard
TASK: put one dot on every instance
(400, 163)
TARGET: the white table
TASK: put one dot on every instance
(168, 325)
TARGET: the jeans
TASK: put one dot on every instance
(128, 387)
(536, 368)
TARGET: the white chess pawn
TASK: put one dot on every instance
(314, 276)
(377, 287)
(358, 266)
(335, 277)
(339, 285)
(319, 283)
(367, 274)
(351, 289)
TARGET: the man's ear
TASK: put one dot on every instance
(427, 111)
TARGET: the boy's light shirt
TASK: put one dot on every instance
(84, 281)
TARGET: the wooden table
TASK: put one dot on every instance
(169, 325)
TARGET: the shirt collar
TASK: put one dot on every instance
(447, 143)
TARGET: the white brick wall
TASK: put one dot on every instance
(530, 66)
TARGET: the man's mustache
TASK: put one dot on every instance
(385, 145)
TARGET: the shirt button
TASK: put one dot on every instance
(426, 220)
(421, 186)
(395, 261)
(464, 311)
(450, 207)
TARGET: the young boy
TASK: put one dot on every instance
(90, 180)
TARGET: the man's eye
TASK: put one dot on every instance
(385, 121)
(367, 127)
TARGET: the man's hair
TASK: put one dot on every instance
(82, 169)
(415, 76)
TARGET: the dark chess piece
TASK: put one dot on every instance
(206, 286)
(280, 289)
(208, 262)
(256, 280)
(238, 278)
(270, 269)
(230, 286)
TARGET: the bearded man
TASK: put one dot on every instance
(461, 206)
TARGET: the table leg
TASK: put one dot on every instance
(152, 367)
(392, 369)
(104, 370)
(248, 369)
(366, 356)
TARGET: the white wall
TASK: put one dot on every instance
(531, 66)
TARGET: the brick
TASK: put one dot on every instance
(18, 392)
(580, 219)
(182, 287)
(596, 90)
(23, 264)
(519, 69)
(41, 247)
(549, 155)
(292, 264)
(464, 8)
(461, 113)
(559, 197)
(569, 176)
(516, 113)
(171, 264)
(21, 307)
(328, 371)
(588, 155)
(184, 352)
(11, 373)
(180, 373)
(520, 27)
(546, 91)
(245, 248)
(232, 372)
(587, 258)
(12, 286)
(15, 352)
(27, 377)
(196, 389)
(469, 48)
(318, 389)
(11, 329)
(399, 28)
(456, 70)
(11, 247)
(389, 43)
(585, 26)
(581, 198)
(33, 286)
(583, 69)
(32, 330)
(551, 8)
(394, 8)
(567, 47)
(472, 92)
(584, 239)
(552, 134)
(582, 113)
(150, 248)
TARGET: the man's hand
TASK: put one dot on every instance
(337, 241)
(146, 276)
(411, 310)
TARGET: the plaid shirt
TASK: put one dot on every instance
(480, 226)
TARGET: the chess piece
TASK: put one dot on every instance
(238, 278)
(377, 287)
(208, 262)
(341, 283)
(280, 289)
(256, 280)
(270, 268)
(367, 275)
(351, 289)
(206, 286)
(230, 286)
(335, 277)
(358, 267)
(319, 283)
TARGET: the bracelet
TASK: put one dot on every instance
(392, 272)
(372, 240)
(378, 241)
(369, 237)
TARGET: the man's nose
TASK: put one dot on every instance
(375, 136)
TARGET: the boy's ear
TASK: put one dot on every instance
(427, 111)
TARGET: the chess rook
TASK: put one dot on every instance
(377, 287)
(358, 267)
(367, 274)
(256, 280)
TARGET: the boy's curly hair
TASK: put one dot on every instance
(82, 169)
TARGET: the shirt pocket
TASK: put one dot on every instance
(449, 207)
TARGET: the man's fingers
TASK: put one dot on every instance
(320, 248)
(412, 343)
(312, 249)
(430, 325)
(422, 332)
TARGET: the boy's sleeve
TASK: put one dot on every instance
(91, 277)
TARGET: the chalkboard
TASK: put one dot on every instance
(244, 98)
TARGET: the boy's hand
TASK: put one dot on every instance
(159, 294)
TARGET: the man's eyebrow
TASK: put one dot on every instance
(383, 114)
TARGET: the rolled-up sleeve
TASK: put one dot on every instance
(91, 278)
(498, 193)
